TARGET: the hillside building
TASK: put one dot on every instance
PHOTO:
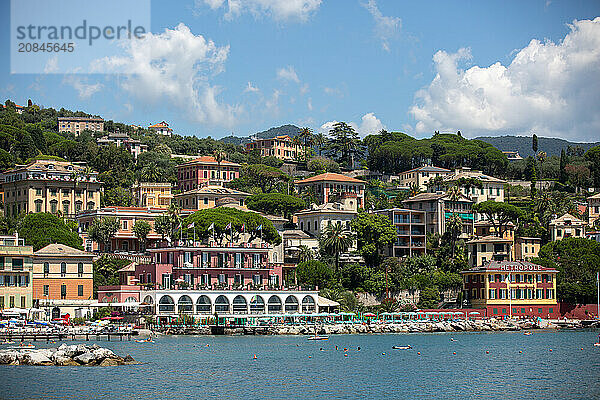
(567, 226)
(281, 147)
(76, 125)
(332, 187)
(205, 170)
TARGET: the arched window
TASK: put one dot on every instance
(308, 304)
(78, 205)
(53, 206)
(148, 300)
(91, 205)
(221, 304)
(274, 304)
(291, 304)
(257, 305)
(185, 304)
(79, 270)
(240, 306)
(66, 204)
(203, 305)
(166, 304)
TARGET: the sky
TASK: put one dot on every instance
(221, 67)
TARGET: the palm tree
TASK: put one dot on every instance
(319, 140)
(150, 173)
(307, 137)
(297, 142)
(336, 240)
(454, 224)
(305, 253)
(219, 155)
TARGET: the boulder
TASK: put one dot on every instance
(70, 351)
(102, 353)
(109, 362)
(8, 356)
(81, 348)
(85, 358)
(35, 358)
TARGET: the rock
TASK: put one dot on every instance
(102, 353)
(109, 362)
(128, 359)
(35, 358)
(8, 357)
(82, 348)
(70, 351)
(85, 358)
(64, 361)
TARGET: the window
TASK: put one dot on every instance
(46, 269)
(495, 310)
(63, 291)
(38, 206)
(63, 269)
(23, 302)
(79, 290)
(46, 290)
(80, 270)
(66, 207)
(17, 264)
(38, 191)
(124, 225)
(12, 302)
(53, 206)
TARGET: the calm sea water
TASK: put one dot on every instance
(292, 367)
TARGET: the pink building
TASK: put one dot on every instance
(204, 170)
(331, 187)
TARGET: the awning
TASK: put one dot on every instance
(324, 302)
(126, 304)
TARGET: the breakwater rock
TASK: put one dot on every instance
(65, 355)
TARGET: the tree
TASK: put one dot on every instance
(322, 164)
(305, 253)
(534, 144)
(499, 214)
(162, 226)
(563, 164)
(320, 141)
(275, 203)
(42, 229)
(429, 298)
(219, 155)
(102, 230)
(106, 271)
(260, 178)
(374, 233)
(306, 136)
(141, 229)
(313, 273)
(335, 240)
(117, 196)
(593, 156)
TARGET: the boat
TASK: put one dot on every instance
(318, 337)
(527, 333)
(149, 340)
(402, 347)
(596, 344)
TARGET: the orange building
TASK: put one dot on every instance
(331, 187)
(281, 147)
(205, 170)
(63, 280)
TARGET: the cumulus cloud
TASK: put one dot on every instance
(174, 68)
(280, 10)
(385, 27)
(251, 89)
(369, 124)
(549, 88)
(288, 74)
(84, 90)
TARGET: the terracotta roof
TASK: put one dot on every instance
(162, 124)
(44, 166)
(509, 266)
(209, 160)
(596, 196)
(330, 176)
(56, 249)
(128, 268)
(472, 174)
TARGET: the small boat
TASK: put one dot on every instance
(318, 337)
(596, 344)
(527, 333)
(149, 340)
(402, 347)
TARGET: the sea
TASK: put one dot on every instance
(499, 365)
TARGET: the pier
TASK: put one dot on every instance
(47, 337)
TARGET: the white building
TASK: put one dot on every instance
(567, 226)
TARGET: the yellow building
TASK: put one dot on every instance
(15, 273)
(210, 196)
(593, 209)
(50, 186)
(150, 194)
(515, 288)
(419, 177)
(527, 248)
(281, 147)
(77, 125)
(567, 226)
(484, 249)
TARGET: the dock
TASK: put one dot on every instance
(47, 337)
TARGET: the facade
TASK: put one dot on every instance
(439, 209)
(410, 230)
(162, 128)
(512, 155)
(593, 209)
(487, 228)
(134, 146)
(489, 248)
(205, 170)
(517, 288)
(567, 226)
(50, 186)
(491, 188)
(152, 194)
(77, 125)
(527, 248)
(314, 220)
(16, 264)
(63, 280)
(419, 177)
(210, 196)
(331, 187)
(281, 147)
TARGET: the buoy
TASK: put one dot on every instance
(520, 351)
(582, 348)
(487, 352)
(383, 354)
(454, 353)
(207, 345)
(550, 349)
(309, 356)
(418, 353)
(254, 357)
(345, 354)
(345, 349)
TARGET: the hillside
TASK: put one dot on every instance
(522, 144)
(291, 130)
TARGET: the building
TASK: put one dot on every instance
(512, 155)
(410, 232)
(210, 196)
(489, 248)
(527, 248)
(593, 209)
(18, 109)
(419, 177)
(16, 264)
(517, 289)
(316, 218)
(331, 187)
(77, 125)
(487, 228)
(124, 240)
(162, 128)
(50, 186)
(491, 188)
(63, 280)
(133, 146)
(439, 209)
(281, 147)
(205, 170)
(152, 194)
(567, 226)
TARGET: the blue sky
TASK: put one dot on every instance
(243, 66)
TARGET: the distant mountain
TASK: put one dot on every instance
(291, 130)
(522, 144)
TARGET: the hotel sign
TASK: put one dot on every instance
(515, 268)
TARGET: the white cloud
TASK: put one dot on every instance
(333, 91)
(280, 10)
(84, 90)
(174, 69)
(309, 104)
(288, 74)
(272, 104)
(386, 28)
(369, 124)
(51, 65)
(251, 89)
(304, 89)
(549, 88)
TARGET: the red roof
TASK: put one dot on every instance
(209, 160)
(330, 176)
(162, 124)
